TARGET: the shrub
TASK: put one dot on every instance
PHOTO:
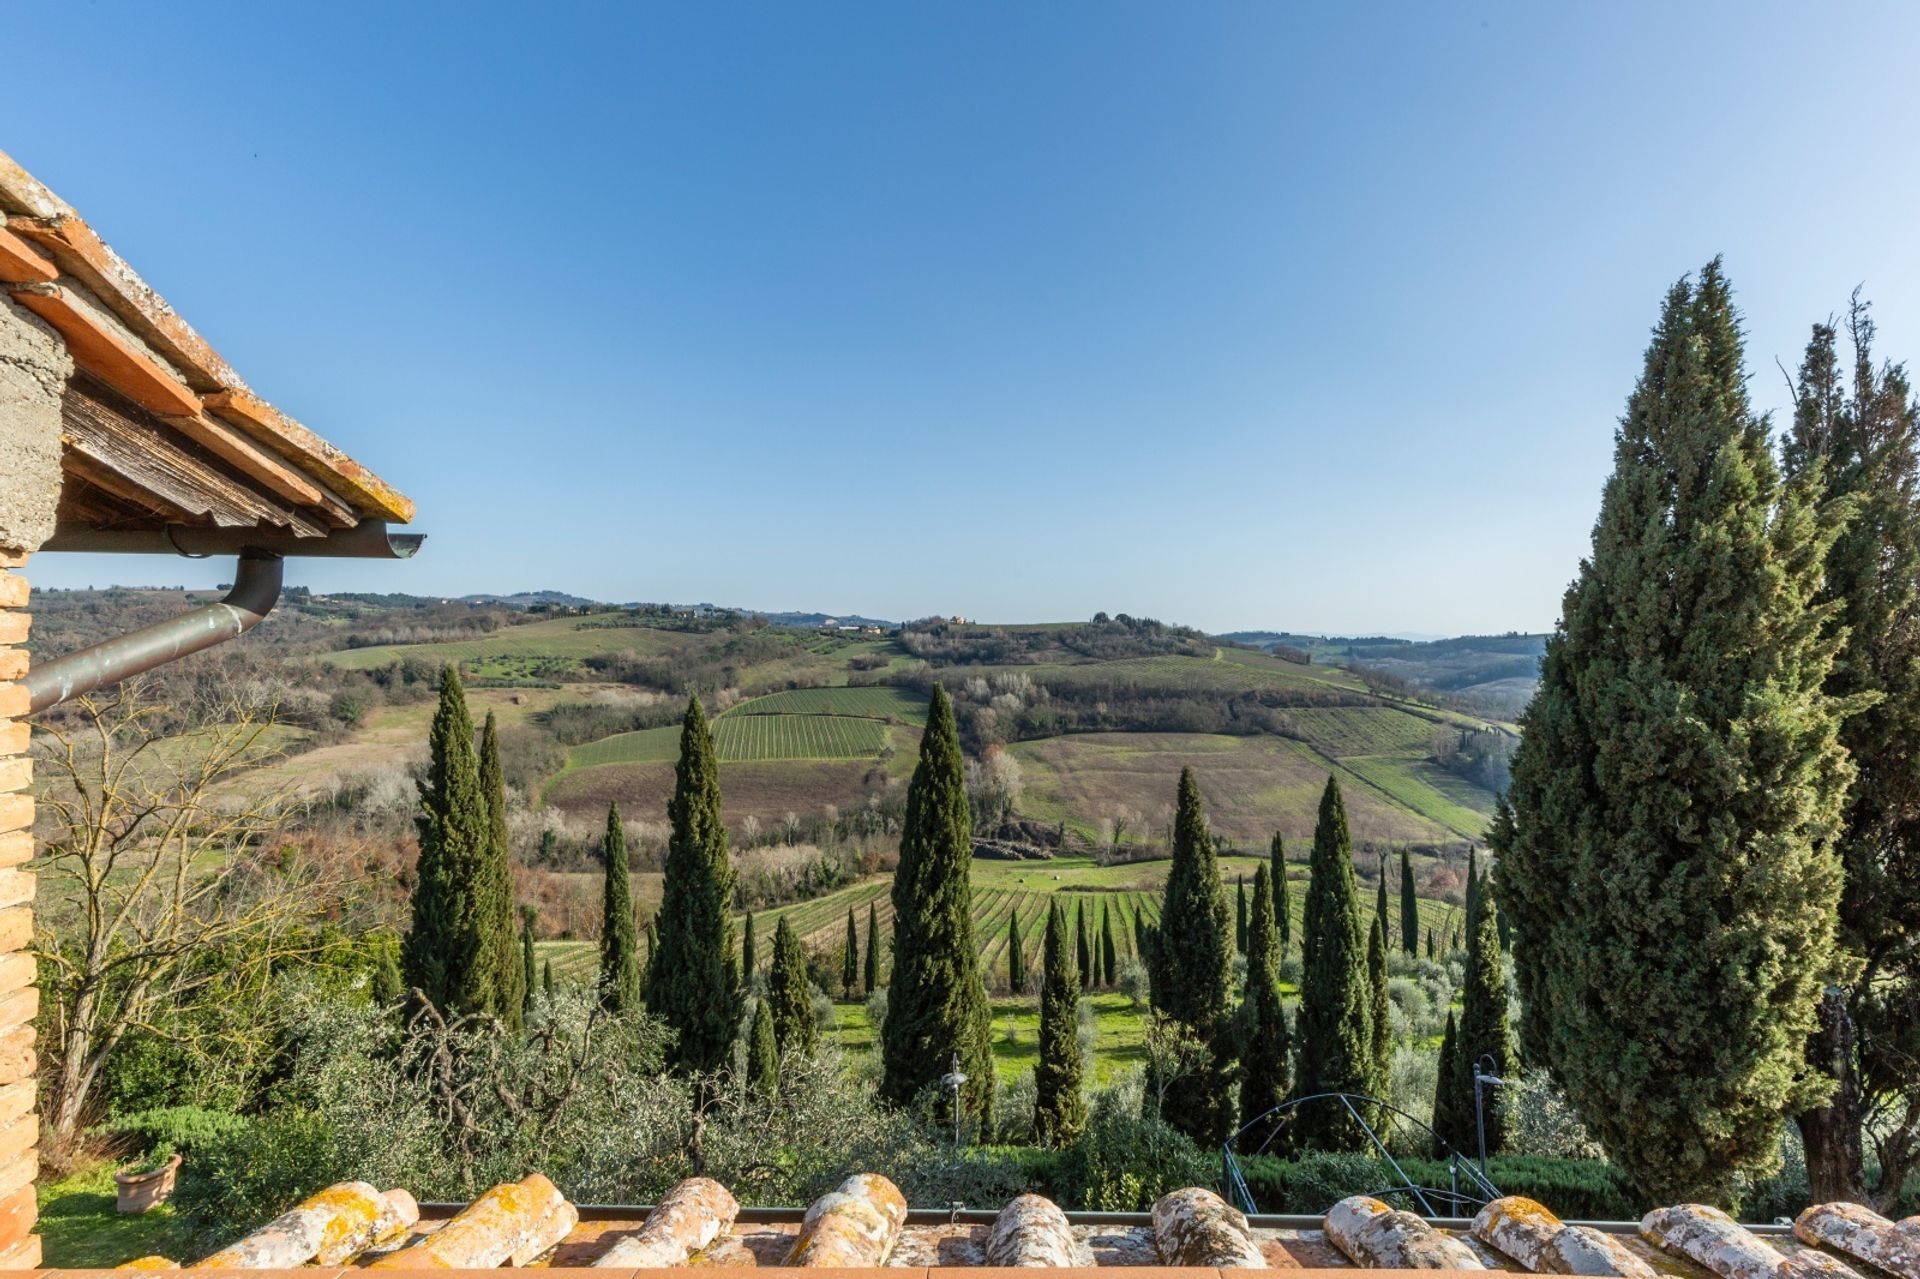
(185, 1129)
(1125, 1160)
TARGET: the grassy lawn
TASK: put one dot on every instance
(1016, 1034)
(80, 1230)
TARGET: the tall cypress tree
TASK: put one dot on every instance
(936, 1001)
(1446, 1092)
(529, 974)
(763, 1052)
(692, 983)
(1473, 886)
(619, 930)
(1335, 1024)
(1282, 894)
(1059, 1111)
(1857, 442)
(1484, 1038)
(1380, 902)
(505, 996)
(872, 974)
(1016, 961)
(850, 958)
(1409, 907)
(1240, 915)
(441, 956)
(1109, 956)
(1379, 1027)
(1668, 863)
(1194, 958)
(1082, 946)
(1266, 1054)
(789, 992)
(749, 961)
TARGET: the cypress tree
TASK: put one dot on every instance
(1668, 862)
(1409, 907)
(1282, 895)
(850, 958)
(1059, 1111)
(1109, 968)
(1194, 959)
(1016, 962)
(1083, 949)
(1473, 885)
(1240, 916)
(1446, 1111)
(1265, 1053)
(789, 992)
(1380, 903)
(1857, 444)
(506, 996)
(440, 956)
(1484, 1039)
(1335, 1024)
(1379, 1028)
(1433, 949)
(937, 1002)
(872, 974)
(546, 976)
(692, 983)
(619, 930)
(749, 962)
(529, 975)
(763, 1053)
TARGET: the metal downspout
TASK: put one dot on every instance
(256, 588)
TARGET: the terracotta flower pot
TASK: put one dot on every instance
(141, 1191)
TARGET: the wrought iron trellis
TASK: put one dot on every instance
(1479, 1188)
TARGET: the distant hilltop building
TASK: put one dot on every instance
(958, 620)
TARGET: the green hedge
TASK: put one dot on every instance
(1584, 1189)
(174, 1128)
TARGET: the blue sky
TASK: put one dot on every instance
(1276, 315)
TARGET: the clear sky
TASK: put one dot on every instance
(1272, 315)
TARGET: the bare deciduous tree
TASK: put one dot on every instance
(157, 854)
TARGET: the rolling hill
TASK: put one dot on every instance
(1099, 717)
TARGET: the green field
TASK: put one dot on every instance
(559, 637)
(1427, 788)
(883, 702)
(557, 648)
(744, 739)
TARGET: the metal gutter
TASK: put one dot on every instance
(256, 589)
(367, 540)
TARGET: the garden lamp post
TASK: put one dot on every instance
(952, 1081)
(1480, 1077)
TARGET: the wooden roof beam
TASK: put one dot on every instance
(97, 348)
(117, 435)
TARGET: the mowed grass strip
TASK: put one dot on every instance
(902, 704)
(745, 738)
(1427, 788)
